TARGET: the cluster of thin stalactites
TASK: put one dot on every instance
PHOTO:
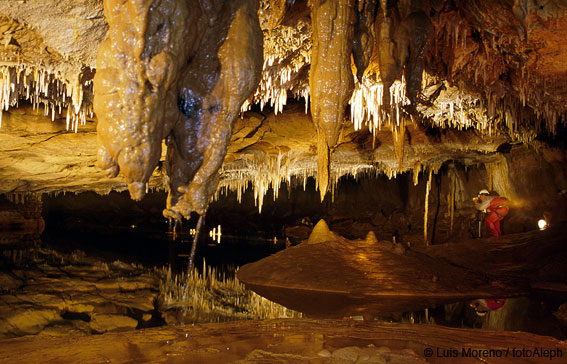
(47, 89)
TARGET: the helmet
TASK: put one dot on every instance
(484, 192)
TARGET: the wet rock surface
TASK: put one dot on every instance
(48, 293)
(280, 341)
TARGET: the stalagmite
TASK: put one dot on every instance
(425, 216)
(191, 258)
(501, 182)
(330, 78)
(490, 172)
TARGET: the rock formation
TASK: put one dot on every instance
(182, 72)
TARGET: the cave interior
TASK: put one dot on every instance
(339, 144)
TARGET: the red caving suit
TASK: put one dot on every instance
(497, 209)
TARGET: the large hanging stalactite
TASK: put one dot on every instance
(402, 33)
(398, 139)
(363, 44)
(179, 70)
(389, 59)
(138, 66)
(222, 75)
(417, 27)
(330, 78)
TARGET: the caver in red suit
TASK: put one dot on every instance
(496, 208)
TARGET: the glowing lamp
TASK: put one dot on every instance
(542, 224)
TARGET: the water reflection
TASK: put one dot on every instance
(134, 240)
(216, 234)
(535, 314)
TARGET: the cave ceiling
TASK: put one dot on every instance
(199, 96)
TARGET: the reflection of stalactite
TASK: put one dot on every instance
(21, 221)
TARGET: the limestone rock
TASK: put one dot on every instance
(146, 317)
(67, 328)
(9, 282)
(26, 320)
(561, 314)
(78, 31)
(59, 294)
(381, 355)
(42, 299)
(104, 323)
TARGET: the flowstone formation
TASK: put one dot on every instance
(183, 72)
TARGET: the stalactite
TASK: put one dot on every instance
(323, 165)
(54, 90)
(398, 137)
(181, 76)
(415, 171)
(417, 27)
(388, 59)
(451, 202)
(287, 55)
(330, 76)
(425, 216)
(363, 42)
(366, 102)
(269, 172)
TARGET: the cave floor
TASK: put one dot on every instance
(344, 340)
(288, 341)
